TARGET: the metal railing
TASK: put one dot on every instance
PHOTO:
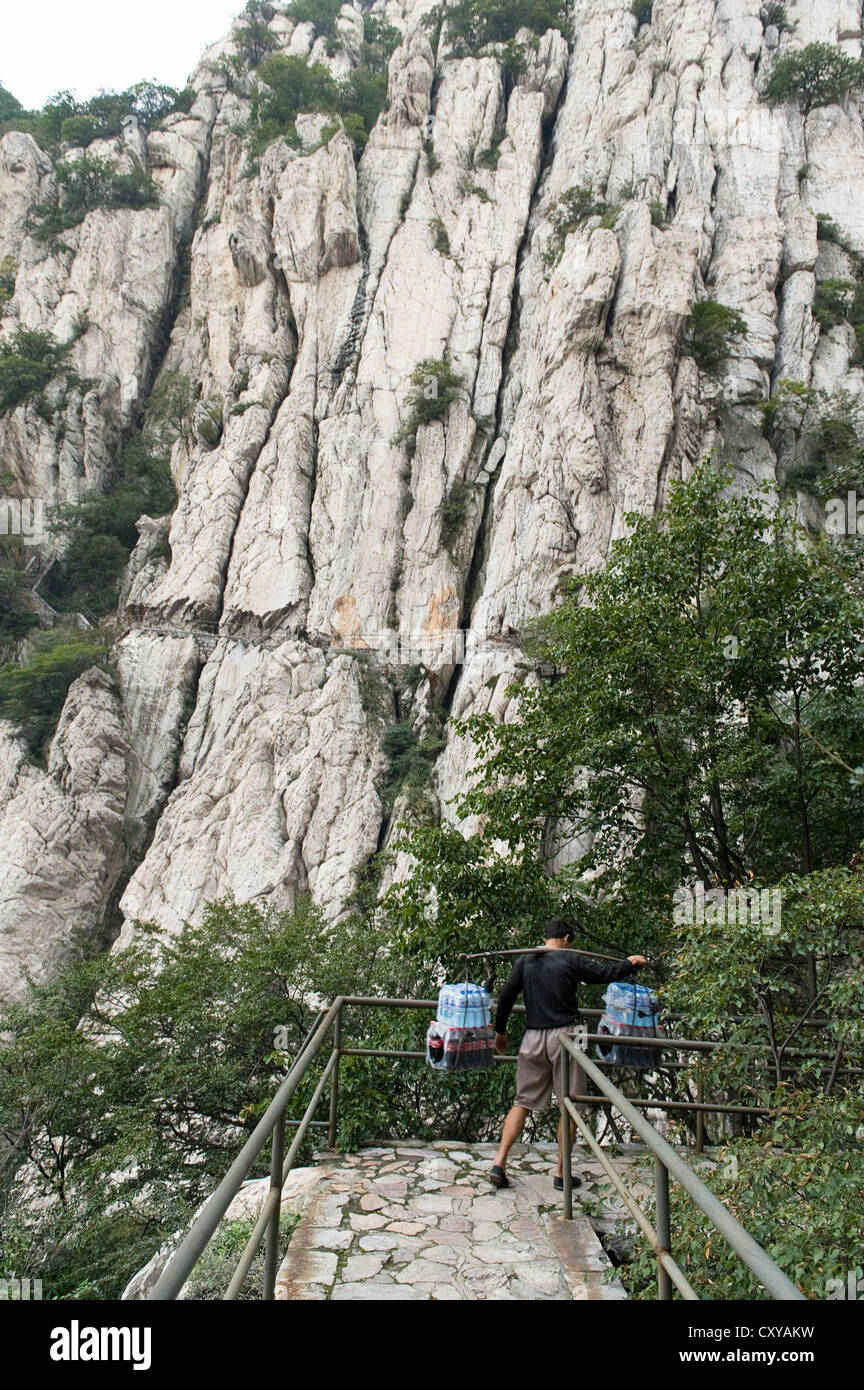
(666, 1162)
(273, 1124)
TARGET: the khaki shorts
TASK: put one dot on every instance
(538, 1070)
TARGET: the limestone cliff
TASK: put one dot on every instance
(238, 748)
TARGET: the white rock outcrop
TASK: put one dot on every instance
(241, 748)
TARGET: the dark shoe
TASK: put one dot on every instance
(498, 1177)
(558, 1183)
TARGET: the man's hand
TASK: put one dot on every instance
(501, 1044)
(637, 960)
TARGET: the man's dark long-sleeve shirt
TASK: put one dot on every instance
(548, 981)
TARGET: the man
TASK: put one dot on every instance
(548, 981)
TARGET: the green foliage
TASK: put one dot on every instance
(828, 230)
(32, 693)
(85, 185)
(322, 13)
(473, 24)
(100, 528)
(131, 1120)
(380, 41)
(796, 1186)
(658, 214)
(10, 106)
(817, 75)
(796, 1183)
(435, 385)
(675, 748)
(574, 208)
(288, 85)
(775, 13)
(833, 302)
(65, 120)
(254, 41)
(488, 159)
(8, 271)
(830, 430)
(709, 333)
(454, 513)
(440, 239)
(642, 10)
(29, 360)
(411, 761)
(214, 1271)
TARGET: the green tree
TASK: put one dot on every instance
(709, 334)
(254, 41)
(10, 106)
(29, 360)
(817, 75)
(33, 693)
(707, 716)
(434, 387)
(88, 184)
(130, 1119)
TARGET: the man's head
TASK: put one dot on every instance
(558, 932)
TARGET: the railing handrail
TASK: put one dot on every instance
(273, 1123)
(182, 1263)
(769, 1274)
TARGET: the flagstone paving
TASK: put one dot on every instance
(423, 1222)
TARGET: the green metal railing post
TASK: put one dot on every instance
(700, 1117)
(664, 1228)
(271, 1258)
(566, 1145)
(334, 1081)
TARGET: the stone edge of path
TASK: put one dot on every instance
(583, 1259)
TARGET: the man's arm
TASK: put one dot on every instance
(509, 994)
(594, 972)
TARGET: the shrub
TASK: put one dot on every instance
(488, 159)
(100, 528)
(828, 230)
(775, 13)
(10, 107)
(642, 10)
(130, 1128)
(214, 1271)
(833, 301)
(254, 40)
(441, 240)
(288, 85)
(573, 209)
(658, 214)
(8, 271)
(472, 24)
(29, 360)
(435, 386)
(322, 13)
(88, 184)
(380, 41)
(411, 760)
(454, 513)
(709, 334)
(33, 693)
(817, 75)
(831, 431)
(65, 120)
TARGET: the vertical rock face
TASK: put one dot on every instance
(243, 749)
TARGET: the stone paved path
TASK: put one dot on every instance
(415, 1222)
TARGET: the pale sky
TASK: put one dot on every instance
(56, 44)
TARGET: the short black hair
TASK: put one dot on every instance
(558, 927)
